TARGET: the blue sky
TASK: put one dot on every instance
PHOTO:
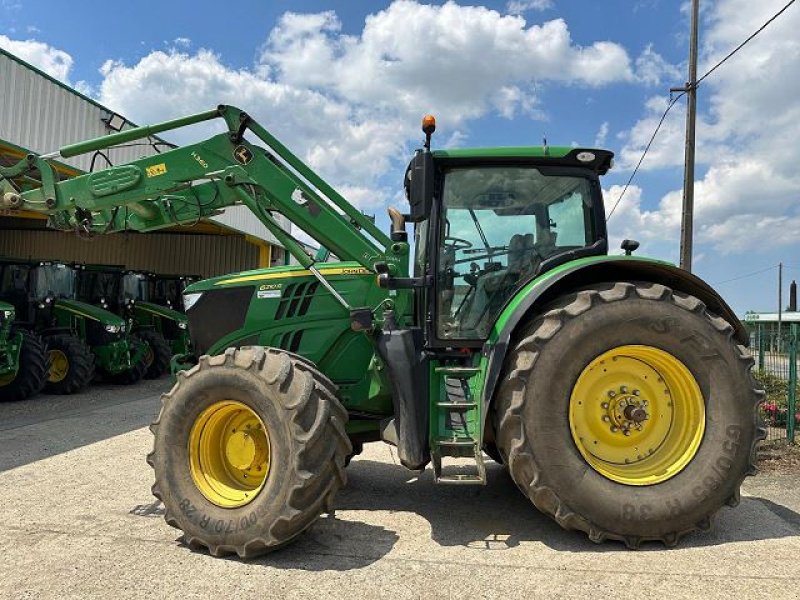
(345, 83)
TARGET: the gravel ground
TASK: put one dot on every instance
(78, 521)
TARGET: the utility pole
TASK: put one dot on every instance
(687, 216)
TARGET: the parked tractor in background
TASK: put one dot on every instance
(167, 290)
(125, 293)
(81, 339)
(617, 390)
(23, 363)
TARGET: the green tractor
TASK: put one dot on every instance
(167, 290)
(616, 390)
(125, 293)
(81, 339)
(23, 362)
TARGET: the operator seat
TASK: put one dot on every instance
(489, 289)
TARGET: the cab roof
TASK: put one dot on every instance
(599, 161)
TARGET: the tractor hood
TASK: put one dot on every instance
(90, 312)
(161, 311)
(258, 276)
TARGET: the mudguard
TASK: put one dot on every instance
(538, 293)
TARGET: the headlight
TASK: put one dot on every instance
(182, 324)
(189, 300)
(113, 328)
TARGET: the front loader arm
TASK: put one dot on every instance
(185, 184)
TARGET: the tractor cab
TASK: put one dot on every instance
(497, 222)
(135, 286)
(34, 287)
(167, 290)
(101, 285)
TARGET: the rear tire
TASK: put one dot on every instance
(159, 355)
(306, 449)
(539, 439)
(31, 373)
(77, 371)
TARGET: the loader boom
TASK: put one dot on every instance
(189, 183)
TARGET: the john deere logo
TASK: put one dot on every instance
(242, 154)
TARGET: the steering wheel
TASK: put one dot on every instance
(454, 243)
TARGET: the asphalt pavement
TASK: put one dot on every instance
(77, 521)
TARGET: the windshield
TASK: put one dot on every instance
(97, 287)
(134, 287)
(168, 291)
(54, 280)
(499, 224)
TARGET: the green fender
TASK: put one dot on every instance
(576, 274)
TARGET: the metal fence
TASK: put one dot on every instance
(775, 352)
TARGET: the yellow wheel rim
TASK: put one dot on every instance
(637, 415)
(57, 366)
(229, 453)
(148, 355)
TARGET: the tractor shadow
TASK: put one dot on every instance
(493, 518)
(489, 519)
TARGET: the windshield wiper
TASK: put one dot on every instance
(480, 232)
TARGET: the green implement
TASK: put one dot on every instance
(616, 390)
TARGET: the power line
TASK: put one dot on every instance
(676, 98)
(744, 43)
(746, 275)
(646, 149)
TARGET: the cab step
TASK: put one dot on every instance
(455, 432)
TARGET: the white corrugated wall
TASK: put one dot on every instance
(41, 114)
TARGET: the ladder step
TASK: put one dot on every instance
(458, 371)
(460, 479)
(456, 405)
(468, 443)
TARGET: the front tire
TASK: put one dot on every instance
(598, 445)
(70, 365)
(31, 371)
(157, 355)
(249, 450)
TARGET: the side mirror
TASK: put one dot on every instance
(629, 246)
(419, 181)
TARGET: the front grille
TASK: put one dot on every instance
(296, 299)
(169, 328)
(96, 334)
(216, 314)
(291, 340)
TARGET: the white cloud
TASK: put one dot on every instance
(449, 59)
(653, 70)
(630, 220)
(52, 61)
(747, 150)
(350, 105)
(182, 42)
(516, 7)
(602, 133)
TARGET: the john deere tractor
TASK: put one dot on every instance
(124, 292)
(22, 359)
(167, 290)
(80, 338)
(616, 390)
